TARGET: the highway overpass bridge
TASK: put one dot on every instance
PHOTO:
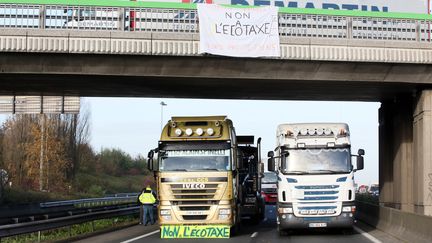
(137, 49)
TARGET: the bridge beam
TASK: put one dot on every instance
(405, 145)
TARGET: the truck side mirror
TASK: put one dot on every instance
(150, 160)
(271, 164)
(360, 162)
(361, 152)
(271, 161)
(270, 154)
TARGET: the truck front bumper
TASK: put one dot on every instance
(289, 221)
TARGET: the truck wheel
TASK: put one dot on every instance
(282, 232)
(235, 229)
(256, 219)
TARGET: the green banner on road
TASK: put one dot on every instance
(195, 231)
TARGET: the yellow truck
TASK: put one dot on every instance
(196, 172)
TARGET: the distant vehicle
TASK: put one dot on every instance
(363, 189)
(269, 187)
(374, 190)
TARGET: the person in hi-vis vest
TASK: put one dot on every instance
(147, 200)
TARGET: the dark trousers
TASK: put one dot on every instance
(141, 216)
(148, 214)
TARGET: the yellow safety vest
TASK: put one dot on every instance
(147, 198)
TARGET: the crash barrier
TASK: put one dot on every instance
(409, 227)
(15, 220)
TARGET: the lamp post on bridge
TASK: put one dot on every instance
(162, 105)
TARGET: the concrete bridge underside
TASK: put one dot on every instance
(208, 77)
(405, 124)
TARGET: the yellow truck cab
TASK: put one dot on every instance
(196, 176)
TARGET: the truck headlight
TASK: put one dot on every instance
(224, 211)
(285, 210)
(165, 212)
(223, 216)
(349, 209)
(166, 217)
(250, 200)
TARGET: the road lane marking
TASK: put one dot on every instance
(370, 237)
(254, 235)
(141, 236)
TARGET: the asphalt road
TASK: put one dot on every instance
(265, 232)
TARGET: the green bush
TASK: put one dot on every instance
(96, 190)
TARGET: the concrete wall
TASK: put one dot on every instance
(409, 227)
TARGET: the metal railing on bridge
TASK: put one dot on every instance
(183, 18)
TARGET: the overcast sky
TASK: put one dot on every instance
(133, 124)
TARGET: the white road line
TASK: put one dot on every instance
(141, 236)
(254, 235)
(370, 237)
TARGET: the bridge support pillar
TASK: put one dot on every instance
(405, 145)
(422, 148)
(396, 154)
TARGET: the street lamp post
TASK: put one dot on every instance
(162, 105)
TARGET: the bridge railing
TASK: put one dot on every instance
(183, 18)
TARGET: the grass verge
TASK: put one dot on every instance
(74, 231)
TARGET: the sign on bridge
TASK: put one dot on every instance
(239, 32)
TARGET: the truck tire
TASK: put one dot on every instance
(282, 232)
(235, 229)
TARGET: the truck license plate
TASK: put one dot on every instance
(316, 225)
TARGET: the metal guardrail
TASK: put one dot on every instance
(184, 19)
(28, 227)
(51, 215)
(93, 202)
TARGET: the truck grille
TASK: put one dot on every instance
(188, 208)
(317, 201)
(208, 192)
(269, 190)
(194, 217)
(194, 199)
(319, 192)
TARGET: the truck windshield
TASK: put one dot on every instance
(317, 160)
(195, 160)
(269, 177)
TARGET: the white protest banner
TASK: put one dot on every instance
(239, 32)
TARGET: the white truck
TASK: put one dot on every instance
(315, 176)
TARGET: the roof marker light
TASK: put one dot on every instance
(210, 131)
(327, 131)
(303, 132)
(189, 131)
(178, 132)
(320, 131)
(311, 131)
(199, 131)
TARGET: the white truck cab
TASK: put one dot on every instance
(315, 176)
